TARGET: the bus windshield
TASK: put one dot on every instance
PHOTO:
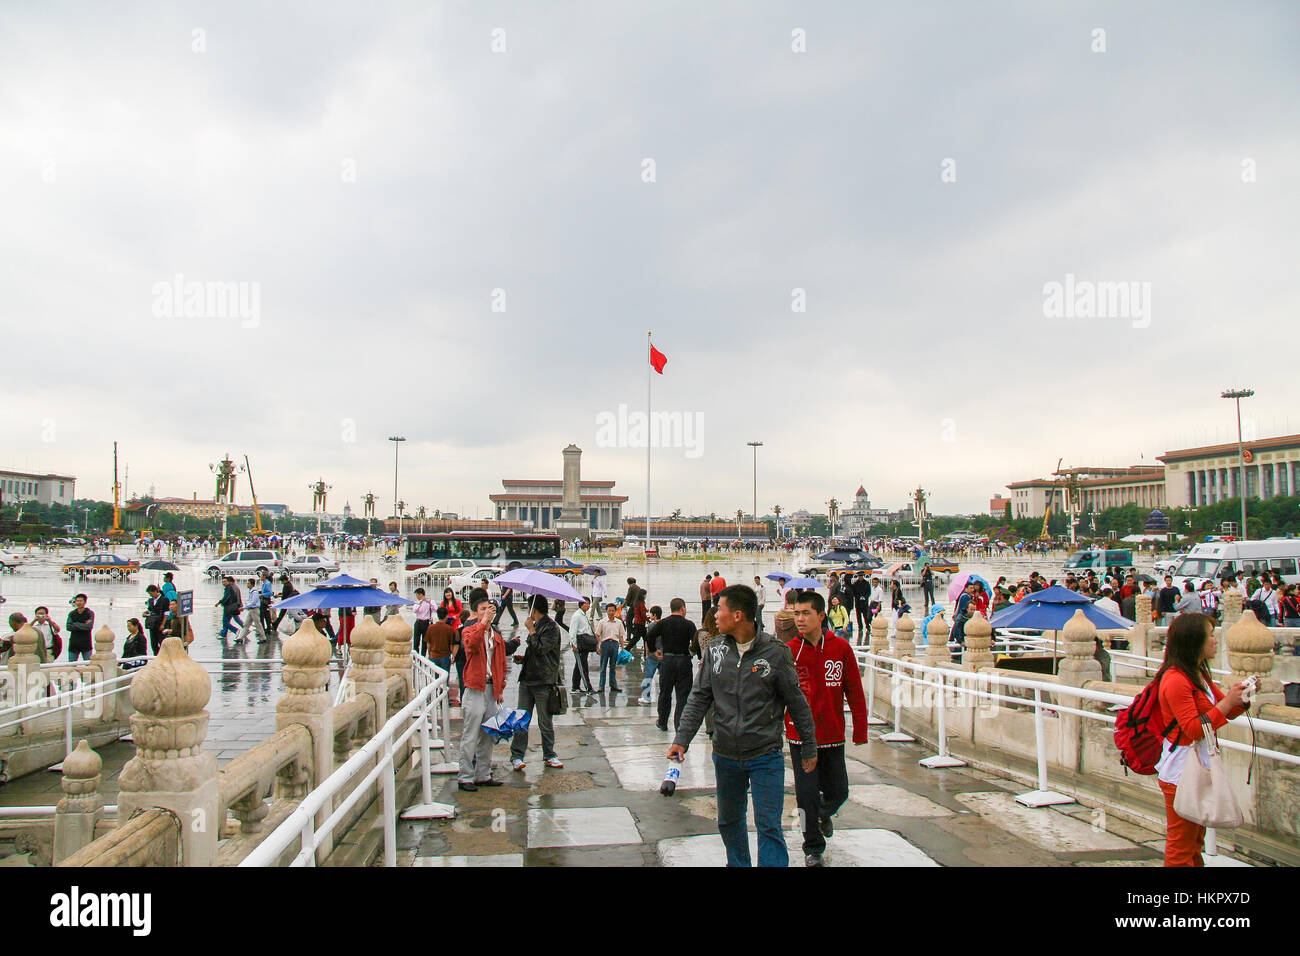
(1198, 568)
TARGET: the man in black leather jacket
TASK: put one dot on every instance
(541, 671)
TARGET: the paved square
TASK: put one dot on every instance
(595, 826)
(846, 848)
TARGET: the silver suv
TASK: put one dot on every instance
(240, 562)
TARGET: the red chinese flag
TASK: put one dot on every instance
(658, 359)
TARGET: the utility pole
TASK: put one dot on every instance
(756, 445)
(396, 440)
(1238, 394)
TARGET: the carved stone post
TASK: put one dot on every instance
(1079, 636)
(368, 674)
(81, 807)
(25, 665)
(397, 650)
(1250, 651)
(905, 638)
(979, 641)
(879, 635)
(171, 770)
(936, 633)
(307, 702)
(1232, 608)
(106, 657)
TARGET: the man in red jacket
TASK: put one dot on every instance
(485, 692)
(827, 671)
(716, 586)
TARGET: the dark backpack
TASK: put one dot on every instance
(1136, 731)
(1261, 611)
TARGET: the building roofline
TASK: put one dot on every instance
(1216, 451)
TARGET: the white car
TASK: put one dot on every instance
(462, 584)
(315, 564)
(243, 562)
(1165, 566)
(10, 560)
(442, 568)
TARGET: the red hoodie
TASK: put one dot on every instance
(825, 673)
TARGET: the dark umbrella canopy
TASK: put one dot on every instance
(160, 565)
(840, 554)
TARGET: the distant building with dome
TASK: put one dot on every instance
(858, 518)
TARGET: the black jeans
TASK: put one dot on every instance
(506, 605)
(674, 675)
(820, 793)
(581, 671)
(417, 636)
(156, 638)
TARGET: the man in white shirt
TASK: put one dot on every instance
(253, 617)
(1107, 602)
(578, 626)
(598, 594)
(762, 599)
(1269, 597)
(610, 634)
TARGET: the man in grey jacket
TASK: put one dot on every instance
(750, 680)
(541, 671)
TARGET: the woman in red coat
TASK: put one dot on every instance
(1187, 691)
(454, 608)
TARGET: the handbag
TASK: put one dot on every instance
(587, 643)
(1204, 795)
(558, 700)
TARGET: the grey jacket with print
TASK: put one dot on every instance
(749, 698)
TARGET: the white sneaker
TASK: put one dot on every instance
(554, 762)
(644, 700)
(517, 764)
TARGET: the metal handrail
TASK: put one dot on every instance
(301, 823)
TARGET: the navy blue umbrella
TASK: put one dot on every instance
(1050, 609)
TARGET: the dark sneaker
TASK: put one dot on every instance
(827, 828)
(466, 786)
(813, 859)
(662, 726)
(489, 783)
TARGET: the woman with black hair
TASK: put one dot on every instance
(1188, 693)
(136, 649)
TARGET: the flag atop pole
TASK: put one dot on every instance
(657, 360)
(660, 369)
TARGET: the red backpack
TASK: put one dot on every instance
(1136, 734)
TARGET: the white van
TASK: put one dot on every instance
(1212, 560)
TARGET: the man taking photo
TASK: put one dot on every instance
(828, 670)
(750, 680)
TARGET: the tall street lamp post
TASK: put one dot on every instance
(1238, 394)
(756, 445)
(396, 440)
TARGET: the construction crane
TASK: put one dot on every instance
(257, 514)
(117, 497)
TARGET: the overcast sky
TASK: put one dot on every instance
(377, 170)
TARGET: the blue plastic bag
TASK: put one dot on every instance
(624, 658)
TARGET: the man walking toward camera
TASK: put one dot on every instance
(540, 672)
(828, 671)
(750, 680)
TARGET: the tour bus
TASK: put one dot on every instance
(1212, 560)
(1101, 561)
(504, 549)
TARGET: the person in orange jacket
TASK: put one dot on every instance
(1187, 691)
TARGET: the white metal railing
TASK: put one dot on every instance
(1021, 640)
(416, 717)
(913, 672)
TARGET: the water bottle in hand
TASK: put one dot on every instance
(674, 773)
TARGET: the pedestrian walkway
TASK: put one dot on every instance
(604, 808)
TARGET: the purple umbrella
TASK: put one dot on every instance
(529, 581)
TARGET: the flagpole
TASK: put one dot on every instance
(648, 347)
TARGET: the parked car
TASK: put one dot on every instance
(463, 583)
(909, 572)
(441, 569)
(1101, 561)
(101, 565)
(561, 566)
(1165, 566)
(315, 564)
(10, 560)
(245, 562)
(946, 565)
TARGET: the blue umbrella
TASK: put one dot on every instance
(529, 581)
(343, 581)
(1050, 609)
(341, 597)
(804, 583)
(781, 576)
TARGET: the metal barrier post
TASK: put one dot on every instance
(942, 759)
(896, 736)
(1042, 797)
(872, 719)
(428, 809)
(390, 806)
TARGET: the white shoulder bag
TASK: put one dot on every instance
(1204, 795)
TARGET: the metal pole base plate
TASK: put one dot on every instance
(897, 737)
(876, 721)
(1043, 798)
(429, 811)
(941, 760)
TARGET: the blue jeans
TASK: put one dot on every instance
(227, 622)
(765, 776)
(651, 665)
(608, 656)
(74, 655)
